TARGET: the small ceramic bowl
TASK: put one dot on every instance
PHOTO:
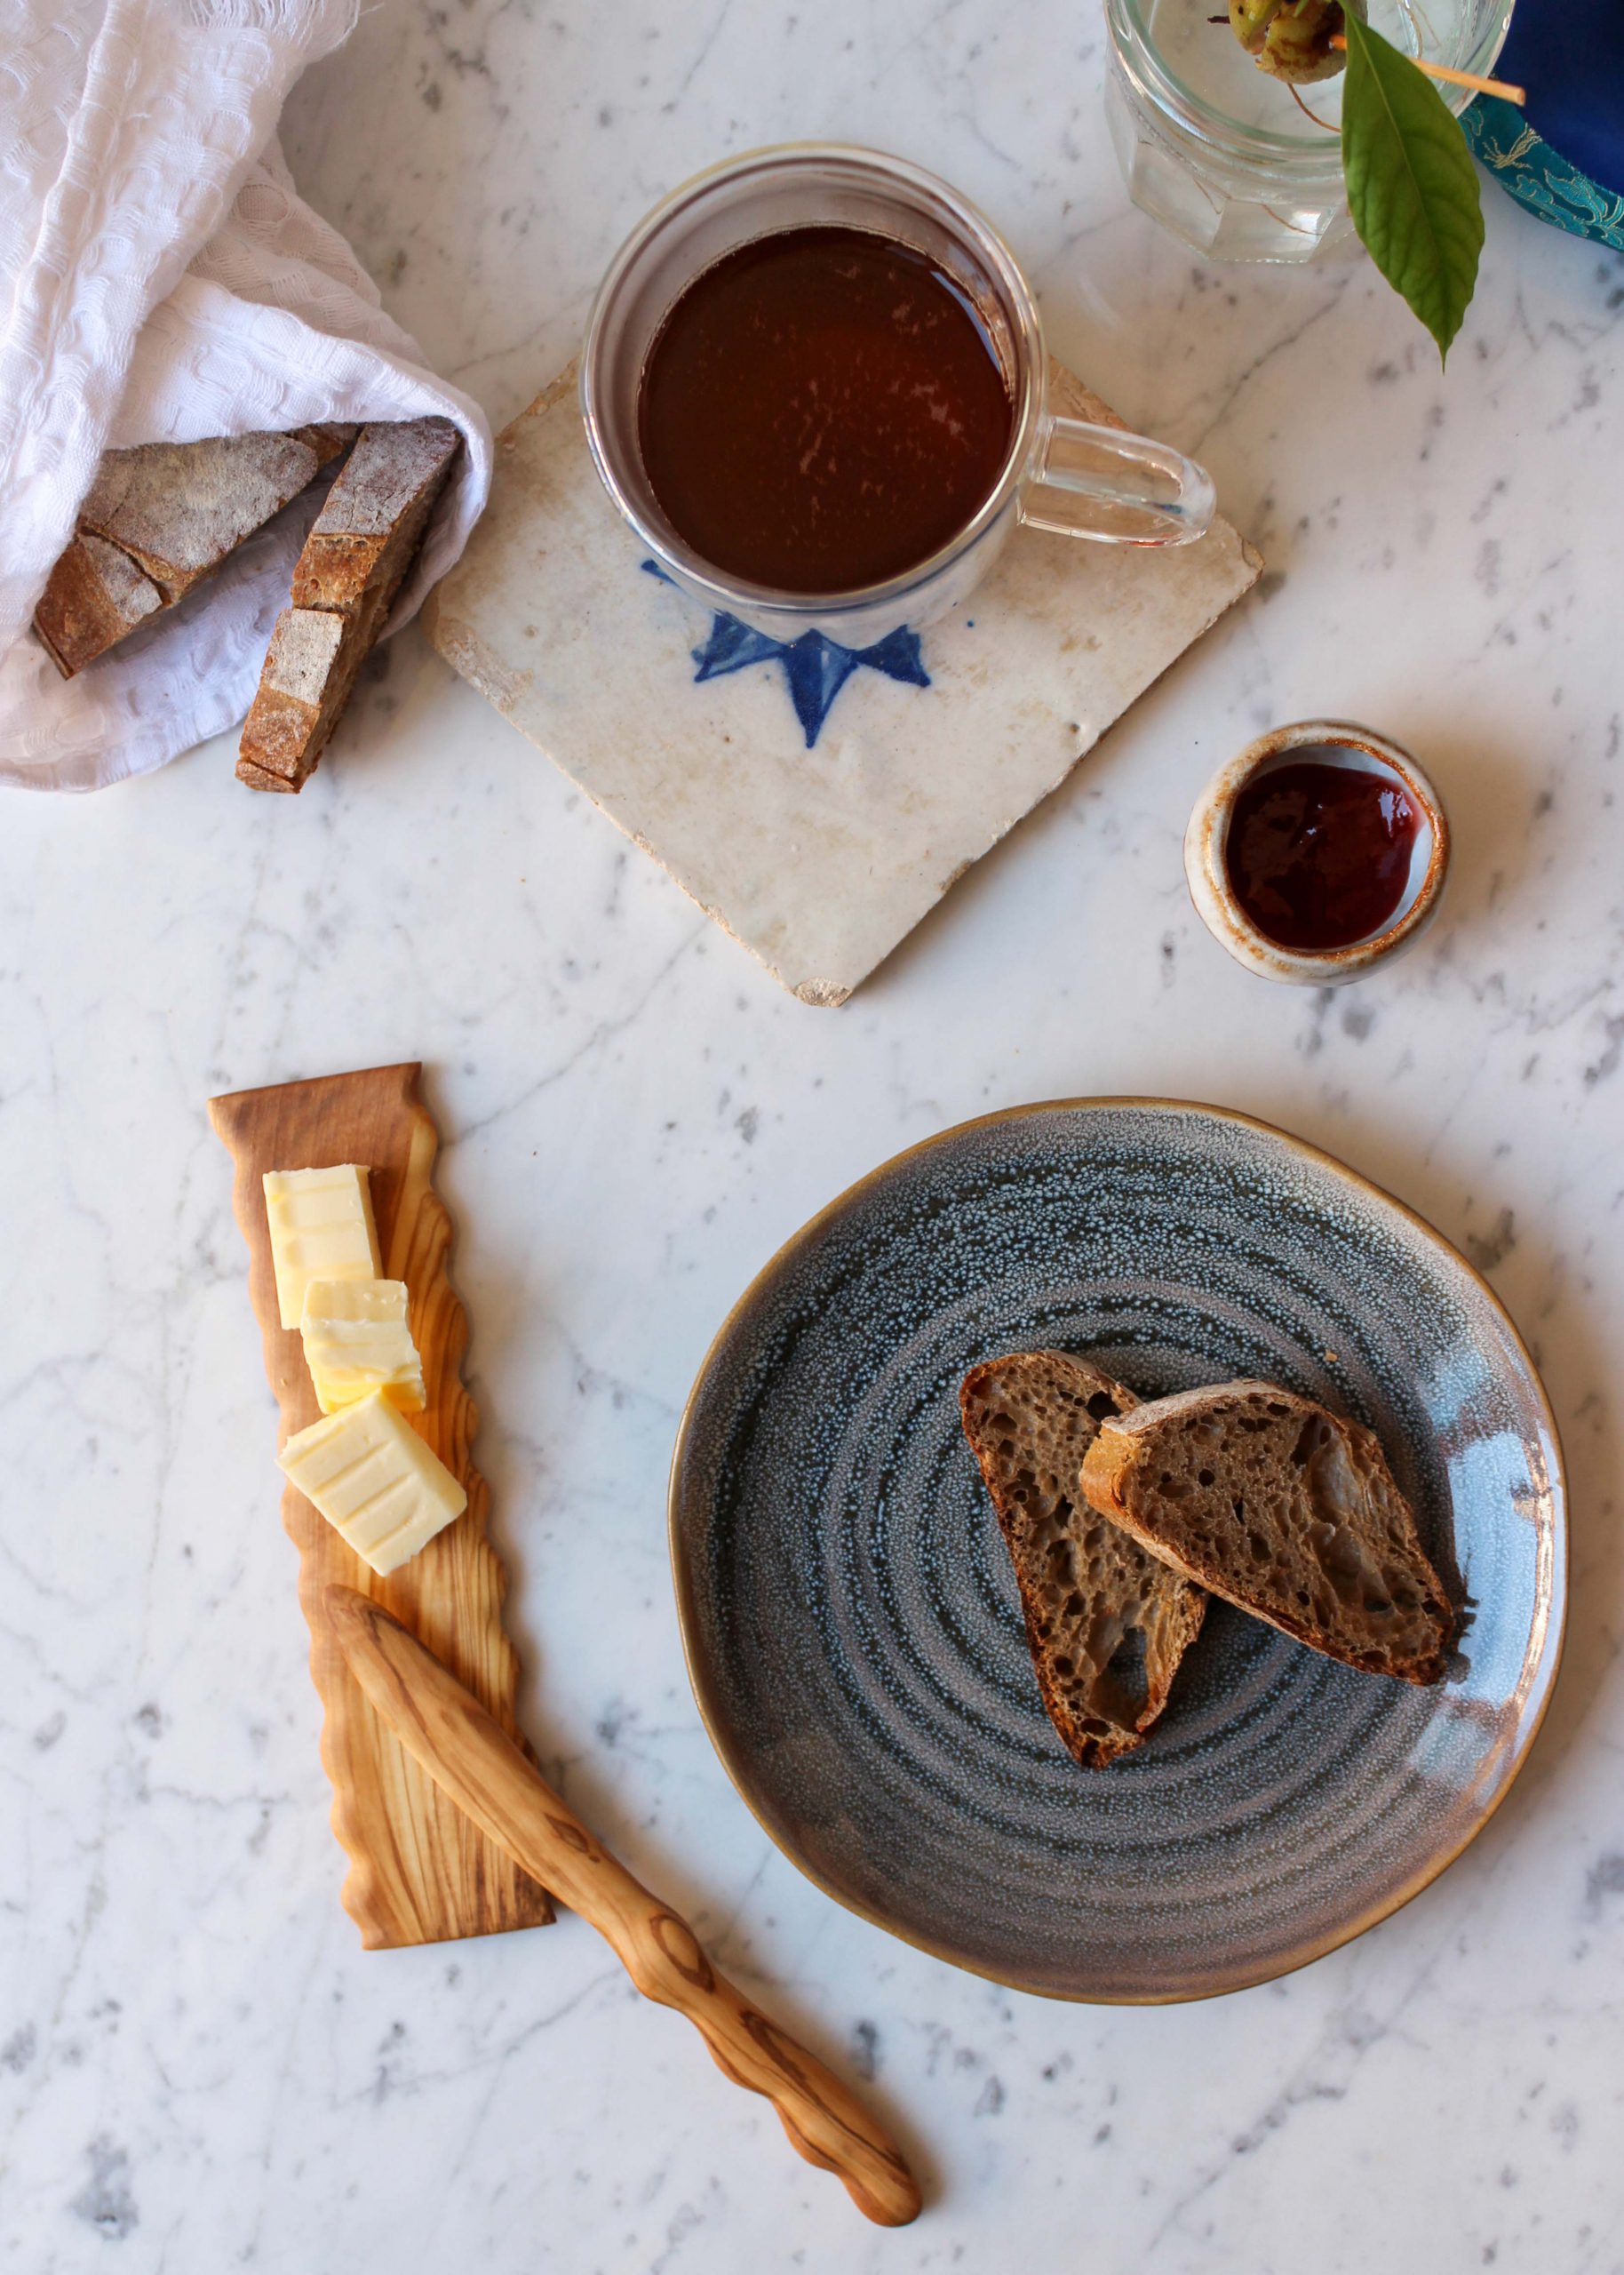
(1334, 742)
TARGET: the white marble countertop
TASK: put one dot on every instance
(199, 2067)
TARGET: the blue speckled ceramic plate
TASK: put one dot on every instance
(850, 1615)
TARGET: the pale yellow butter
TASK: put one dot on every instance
(357, 1341)
(322, 1228)
(373, 1479)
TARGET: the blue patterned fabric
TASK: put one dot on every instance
(1563, 158)
(1539, 177)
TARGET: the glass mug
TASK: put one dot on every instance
(1058, 473)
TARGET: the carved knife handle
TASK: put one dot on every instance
(468, 1753)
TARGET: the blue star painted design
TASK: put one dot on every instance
(816, 668)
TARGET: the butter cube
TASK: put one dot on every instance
(374, 1479)
(357, 1341)
(322, 1228)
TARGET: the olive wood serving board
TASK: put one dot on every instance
(420, 1871)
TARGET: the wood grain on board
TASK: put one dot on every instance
(421, 1873)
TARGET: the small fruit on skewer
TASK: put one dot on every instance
(1290, 39)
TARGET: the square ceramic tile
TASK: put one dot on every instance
(816, 817)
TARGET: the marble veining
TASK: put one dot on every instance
(200, 2069)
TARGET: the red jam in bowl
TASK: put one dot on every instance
(1318, 855)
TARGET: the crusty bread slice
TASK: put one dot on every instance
(360, 547)
(94, 597)
(1107, 1623)
(304, 684)
(361, 542)
(161, 517)
(1286, 1510)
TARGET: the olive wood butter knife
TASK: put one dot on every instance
(466, 1752)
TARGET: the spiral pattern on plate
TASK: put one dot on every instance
(851, 1617)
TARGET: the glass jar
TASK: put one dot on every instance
(1218, 151)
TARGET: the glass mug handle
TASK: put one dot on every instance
(1118, 488)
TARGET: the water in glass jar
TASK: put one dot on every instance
(1214, 67)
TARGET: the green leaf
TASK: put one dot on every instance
(1412, 187)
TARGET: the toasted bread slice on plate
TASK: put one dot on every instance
(1283, 1509)
(1106, 1622)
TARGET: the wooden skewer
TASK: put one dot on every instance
(465, 1751)
(1500, 87)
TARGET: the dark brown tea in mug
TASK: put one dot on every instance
(821, 410)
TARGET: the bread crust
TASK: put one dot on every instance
(305, 680)
(1096, 1720)
(161, 517)
(1117, 1482)
(374, 512)
(94, 597)
(359, 549)
(177, 509)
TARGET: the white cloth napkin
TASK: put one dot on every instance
(166, 283)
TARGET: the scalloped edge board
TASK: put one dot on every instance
(421, 1873)
(819, 860)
